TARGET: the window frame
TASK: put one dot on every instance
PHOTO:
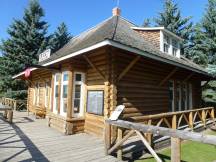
(56, 82)
(82, 82)
(173, 95)
(47, 93)
(61, 94)
(37, 94)
(102, 114)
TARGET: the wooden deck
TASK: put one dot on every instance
(30, 139)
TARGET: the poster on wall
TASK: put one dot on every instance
(95, 102)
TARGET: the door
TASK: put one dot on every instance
(78, 94)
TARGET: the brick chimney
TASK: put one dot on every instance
(116, 11)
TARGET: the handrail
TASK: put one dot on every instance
(168, 114)
(160, 124)
(15, 104)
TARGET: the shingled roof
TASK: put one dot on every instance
(118, 30)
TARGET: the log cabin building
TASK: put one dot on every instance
(113, 63)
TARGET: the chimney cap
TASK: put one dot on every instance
(116, 11)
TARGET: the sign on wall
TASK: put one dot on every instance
(95, 102)
(44, 55)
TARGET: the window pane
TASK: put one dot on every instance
(78, 77)
(77, 91)
(65, 77)
(166, 48)
(57, 104)
(174, 52)
(76, 105)
(175, 43)
(65, 91)
(56, 91)
(65, 106)
(95, 102)
(57, 77)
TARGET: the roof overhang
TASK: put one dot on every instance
(120, 46)
(158, 28)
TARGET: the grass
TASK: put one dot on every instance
(190, 152)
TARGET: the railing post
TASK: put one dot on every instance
(107, 137)
(204, 118)
(174, 122)
(15, 105)
(149, 136)
(213, 115)
(191, 120)
(119, 138)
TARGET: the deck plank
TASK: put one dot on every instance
(30, 139)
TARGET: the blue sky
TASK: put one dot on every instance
(80, 15)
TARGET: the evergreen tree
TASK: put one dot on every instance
(60, 37)
(146, 23)
(172, 20)
(27, 38)
(204, 48)
(197, 50)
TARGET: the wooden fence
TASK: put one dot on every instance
(14, 104)
(160, 124)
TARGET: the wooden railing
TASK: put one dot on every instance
(170, 121)
(178, 119)
(14, 104)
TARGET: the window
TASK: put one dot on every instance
(47, 93)
(56, 92)
(78, 93)
(175, 47)
(64, 94)
(171, 96)
(166, 44)
(37, 95)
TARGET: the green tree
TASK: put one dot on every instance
(146, 23)
(172, 20)
(204, 48)
(60, 37)
(27, 38)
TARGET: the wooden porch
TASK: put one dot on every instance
(30, 139)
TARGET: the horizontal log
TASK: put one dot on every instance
(182, 134)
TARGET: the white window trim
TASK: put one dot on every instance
(54, 98)
(82, 82)
(46, 99)
(37, 94)
(173, 104)
(61, 99)
(170, 50)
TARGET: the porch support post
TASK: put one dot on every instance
(175, 143)
(175, 149)
(119, 138)
(107, 137)
(69, 124)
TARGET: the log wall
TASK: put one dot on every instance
(139, 89)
